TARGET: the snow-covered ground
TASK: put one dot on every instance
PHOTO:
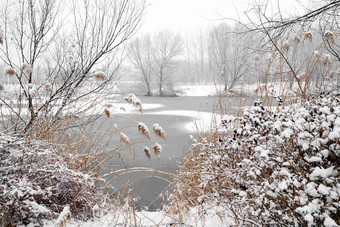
(218, 89)
(270, 88)
(148, 219)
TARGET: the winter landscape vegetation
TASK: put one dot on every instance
(106, 123)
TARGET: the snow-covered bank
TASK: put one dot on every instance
(270, 167)
(214, 217)
(258, 89)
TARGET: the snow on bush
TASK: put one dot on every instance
(36, 184)
(270, 167)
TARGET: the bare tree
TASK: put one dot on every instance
(30, 32)
(167, 46)
(140, 55)
(196, 54)
(97, 31)
(228, 53)
(219, 44)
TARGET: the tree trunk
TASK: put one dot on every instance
(149, 90)
(161, 82)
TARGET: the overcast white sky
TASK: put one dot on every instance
(186, 15)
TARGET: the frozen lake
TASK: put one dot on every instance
(176, 115)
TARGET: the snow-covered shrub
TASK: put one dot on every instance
(270, 167)
(36, 184)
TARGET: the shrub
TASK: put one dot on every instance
(36, 184)
(270, 167)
